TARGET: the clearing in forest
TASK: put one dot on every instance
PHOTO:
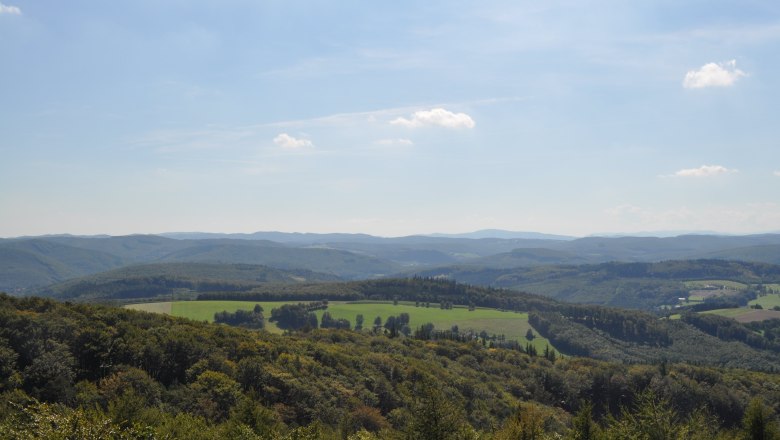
(512, 325)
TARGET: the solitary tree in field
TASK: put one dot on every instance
(359, 322)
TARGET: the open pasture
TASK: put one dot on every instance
(767, 301)
(510, 324)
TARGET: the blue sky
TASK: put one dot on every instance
(389, 118)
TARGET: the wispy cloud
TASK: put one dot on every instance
(704, 171)
(284, 140)
(713, 75)
(212, 137)
(12, 10)
(390, 142)
(436, 117)
(777, 173)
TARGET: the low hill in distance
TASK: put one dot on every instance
(39, 261)
(182, 279)
(35, 262)
(628, 285)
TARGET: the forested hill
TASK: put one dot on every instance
(31, 262)
(151, 376)
(169, 279)
(600, 332)
(618, 284)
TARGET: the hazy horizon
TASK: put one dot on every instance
(389, 119)
(658, 234)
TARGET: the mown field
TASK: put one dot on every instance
(767, 301)
(510, 324)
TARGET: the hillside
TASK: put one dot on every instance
(35, 262)
(115, 369)
(600, 332)
(764, 253)
(627, 285)
(38, 262)
(166, 279)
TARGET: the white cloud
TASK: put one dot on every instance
(284, 140)
(13, 10)
(436, 117)
(713, 75)
(399, 141)
(704, 171)
(777, 173)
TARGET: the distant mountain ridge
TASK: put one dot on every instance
(500, 233)
(152, 280)
(40, 261)
(308, 237)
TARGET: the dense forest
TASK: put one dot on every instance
(101, 372)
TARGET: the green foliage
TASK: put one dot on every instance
(435, 416)
(617, 284)
(297, 316)
(655, 419)
(531, 422)
(583, 425)
(164, 376)
(758, 423)
(54, 422)
(730, 330)
(242, 318)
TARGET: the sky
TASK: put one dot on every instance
(389, 118)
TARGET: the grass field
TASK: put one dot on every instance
(510, 324)
(767, 301)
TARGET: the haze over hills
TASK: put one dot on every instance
(40, 261)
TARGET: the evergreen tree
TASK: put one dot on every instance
(758, 424)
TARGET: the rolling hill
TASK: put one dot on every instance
(39, 261)
(627, 285)
(166, 279)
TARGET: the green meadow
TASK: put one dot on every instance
(510, 324)
(767, 301)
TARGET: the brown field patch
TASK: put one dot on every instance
(757, 315)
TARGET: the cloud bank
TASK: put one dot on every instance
(704, 171)
(437, 117)
(284, 140)
(13, 10)
(713, 75)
